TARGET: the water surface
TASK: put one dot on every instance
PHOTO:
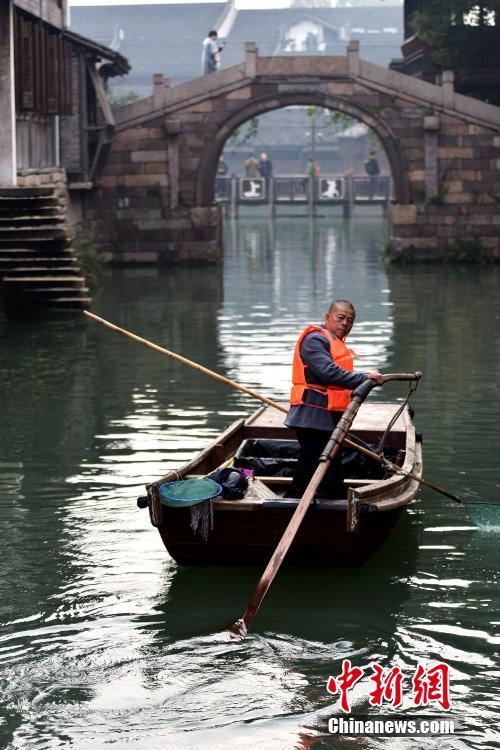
(104, 640)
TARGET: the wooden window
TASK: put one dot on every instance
(42, 67)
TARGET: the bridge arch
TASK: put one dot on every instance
(218, 134)
(442, 149)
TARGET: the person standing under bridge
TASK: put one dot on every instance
(323, 379)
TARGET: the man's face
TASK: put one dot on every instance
(339, 320)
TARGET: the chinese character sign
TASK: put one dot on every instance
(429, 685)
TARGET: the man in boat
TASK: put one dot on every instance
(323, 379)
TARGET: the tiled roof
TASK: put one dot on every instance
(266, 27)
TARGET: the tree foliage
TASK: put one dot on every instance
(246, 133)
(450, 27)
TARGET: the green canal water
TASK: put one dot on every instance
(104, 640)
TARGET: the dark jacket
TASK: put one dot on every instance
(265, 167)
(315, 353)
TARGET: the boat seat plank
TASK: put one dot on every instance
(370, 417)
(273, 481)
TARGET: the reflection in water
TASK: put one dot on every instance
(104, 638)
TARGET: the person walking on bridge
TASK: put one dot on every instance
(323, 379)
(211, 55)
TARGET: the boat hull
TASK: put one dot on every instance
(338, 532)
(240, 538)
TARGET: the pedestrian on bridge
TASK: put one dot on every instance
(251, 167)
(372, 169)
(211, 55)
(265, 166)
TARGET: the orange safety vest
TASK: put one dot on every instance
(338, 398)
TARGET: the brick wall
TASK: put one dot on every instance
(463, 216)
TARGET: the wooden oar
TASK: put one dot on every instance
(241, 626)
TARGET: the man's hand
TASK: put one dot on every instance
(376, 376)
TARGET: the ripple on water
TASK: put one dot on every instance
(104, 640)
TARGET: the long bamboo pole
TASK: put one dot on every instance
(274, 404)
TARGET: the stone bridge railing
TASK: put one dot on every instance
(289, 69)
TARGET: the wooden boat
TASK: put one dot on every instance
(338, 531)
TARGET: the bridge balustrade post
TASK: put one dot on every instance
(310, 195)
(348, 196)
(233, 197)
(251, 59)
(159, 83)
(353, 58)
(270, 196)
(448, 88)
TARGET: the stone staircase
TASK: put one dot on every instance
(38, 269)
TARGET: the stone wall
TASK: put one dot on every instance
(459, 219)
(132, 210)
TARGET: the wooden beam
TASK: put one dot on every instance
(98, 85)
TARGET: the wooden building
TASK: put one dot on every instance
(52, 92)
(55, 130)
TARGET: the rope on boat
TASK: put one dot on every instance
(411, 390)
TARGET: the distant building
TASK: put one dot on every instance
(167, 38)
(53, 104)
(55, 132)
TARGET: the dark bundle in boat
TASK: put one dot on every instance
(339, 530)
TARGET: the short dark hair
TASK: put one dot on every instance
(341, 302)
(212, 33)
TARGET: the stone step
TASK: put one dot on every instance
(45, 284)
(27, 192)
(34, 244)
(41, 271)
(69, 303)
(29, 204)
(15, 219)
(28, 252)
(41, 296)
(10, 230)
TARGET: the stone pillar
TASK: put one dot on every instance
(353, 58)
(173, 129)
(448, 88)
(431, 129)
(7, 97)
(348, 197)
(250, 59)
(233, 199)
(310, 195)
(270, 196)
(160, 89)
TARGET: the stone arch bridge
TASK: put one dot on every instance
(155, 201)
